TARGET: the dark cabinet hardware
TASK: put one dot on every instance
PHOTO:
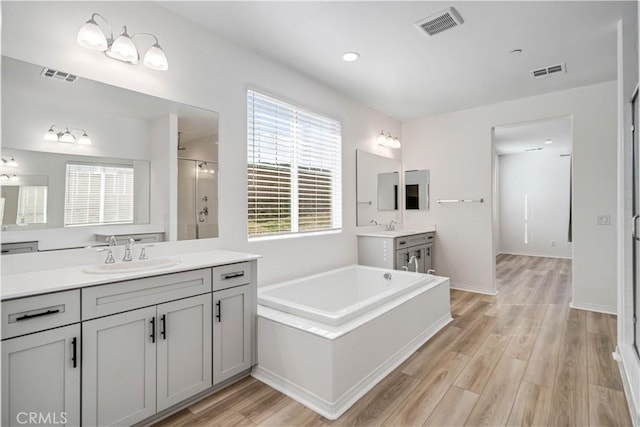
(153, 330)
(31, 316)
(218, 312)
(74, 352)
(232, 275)
(163, 330)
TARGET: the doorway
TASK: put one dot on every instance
(532, 194)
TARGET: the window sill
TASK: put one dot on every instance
(293, 235)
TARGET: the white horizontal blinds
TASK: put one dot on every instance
(294, 168)
(32, 204)
(98, 194)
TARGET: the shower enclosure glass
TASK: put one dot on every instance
(197, 199)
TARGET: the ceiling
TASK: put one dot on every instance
(406, 74)
(522, 137)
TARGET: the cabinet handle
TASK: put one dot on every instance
(419, 254)
(232, 275)
(74, 357)
(428, 251)
(218, 311)
(163, 331)
(407, 255)
(153, 329)
(31, 316)
(402, 242)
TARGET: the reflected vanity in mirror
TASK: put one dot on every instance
(84, 159)
(377, 188)
(416, 189)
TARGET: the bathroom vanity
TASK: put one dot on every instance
(98, 349)
(398, 249)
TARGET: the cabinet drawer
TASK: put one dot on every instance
(117, 297)
(413, 240)
(228, 276)
(26, 315)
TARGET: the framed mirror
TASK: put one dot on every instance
(378, 190)
(84, 159)
(416, 189)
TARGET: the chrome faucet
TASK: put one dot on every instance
(111, 240)
(391, 226)
(373, 222)
(143, 252)
(127, 250)
(414, 260)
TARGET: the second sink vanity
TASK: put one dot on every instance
(126, 347)
(400, 249)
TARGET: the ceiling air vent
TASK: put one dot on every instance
(533, 149)
(439, 22)
(58, 75)
(547, 71)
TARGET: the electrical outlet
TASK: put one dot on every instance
(604, 219)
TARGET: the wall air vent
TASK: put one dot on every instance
(547, 71)
(58, 75)
(439, 22)
(534, 149)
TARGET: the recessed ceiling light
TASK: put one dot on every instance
(549, 141)
(350, 56)
(516, 51)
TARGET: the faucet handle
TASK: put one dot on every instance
(143, 252)
(110, 259)
(112, 241)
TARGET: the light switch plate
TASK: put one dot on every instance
(604, 219)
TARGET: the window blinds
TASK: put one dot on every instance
(294, 169)
(98, 194)
(32, 204)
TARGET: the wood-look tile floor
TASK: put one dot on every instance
(520, 358)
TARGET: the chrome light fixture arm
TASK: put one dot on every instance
(110, 38)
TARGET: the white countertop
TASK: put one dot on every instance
(397, 233)
(61, 279)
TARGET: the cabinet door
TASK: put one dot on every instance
(231, 332)
(119, 368)
(41, 378)
(184, 349)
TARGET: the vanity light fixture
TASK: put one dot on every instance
(386, 140)
(11, 162)
(122, 47)
(67, 136)
(5, 177)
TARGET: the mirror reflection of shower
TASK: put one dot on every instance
(197, 185)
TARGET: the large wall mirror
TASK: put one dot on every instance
(83, 159)
(378, 189)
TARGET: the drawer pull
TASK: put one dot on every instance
(153, 329)
(402, 242)
(74, 357)
(218, 312)
(232, 275)
(31, 316)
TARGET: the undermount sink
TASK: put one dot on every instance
(131, 266)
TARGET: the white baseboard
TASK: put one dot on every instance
(607, 309)
(472, 288)
(534, 255)
(634, 410)
(333, 410)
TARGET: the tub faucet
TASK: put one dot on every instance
(127, 249)
(414, 260)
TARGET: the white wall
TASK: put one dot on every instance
(543, 178)
(457, 148)
(208, 72)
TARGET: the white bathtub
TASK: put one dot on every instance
(325, 340)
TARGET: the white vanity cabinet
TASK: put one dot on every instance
(41, 360)
(397, 250)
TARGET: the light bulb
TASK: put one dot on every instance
(12, 162)
(91, 36)
(67, 137)
(382, 139)
(123, 49)
(51, 135)
(396, 143)
(84, 139)
(156, 59)
(13, 177)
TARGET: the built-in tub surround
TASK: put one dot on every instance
(329, 367)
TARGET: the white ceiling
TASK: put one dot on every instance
(405, 74)
(519, 138)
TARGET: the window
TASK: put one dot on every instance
(98, 194)
(294, 169)
(32, 204)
